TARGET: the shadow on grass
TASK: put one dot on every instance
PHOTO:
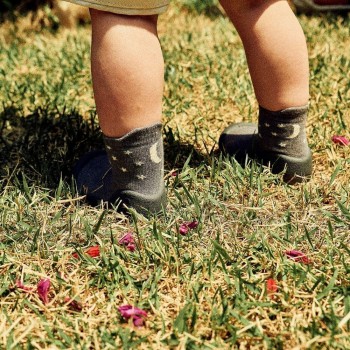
(177, 153)
(45, 144)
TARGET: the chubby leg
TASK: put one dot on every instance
(127, 73)
(276, 51)
(278, 63)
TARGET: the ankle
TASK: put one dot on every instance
(283, 132)
(137, 159)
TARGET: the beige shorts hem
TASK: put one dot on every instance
(120, 10)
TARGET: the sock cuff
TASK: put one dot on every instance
(137, 137)
(288, 115)
(297, 110)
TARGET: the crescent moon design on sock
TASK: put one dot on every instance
(153, 153)
(296, 131)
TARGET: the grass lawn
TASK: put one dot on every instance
(227, 283)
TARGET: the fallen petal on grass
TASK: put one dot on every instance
(186, 226)
(298, 256)
(93, 251)
(137, 315)
(131, 247)
(128, 241)
(192, 225)
(183, 229)
(271, 287)
(128, 311)
(341, 140)
(20, 285)
(138, 321)
(74, 305)
(43, 289)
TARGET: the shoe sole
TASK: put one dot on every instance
(147, 205)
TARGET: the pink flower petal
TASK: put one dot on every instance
(124, 308)
(128, 242)
(183, 229)
(186, 226)
(73, 304)
(298, 256)
(20, 285)
(192, 225)
(128, 311)
(128, 238)
(131, 247)
(43, 289)
(137, 315)
(138, 321)
(341, 140)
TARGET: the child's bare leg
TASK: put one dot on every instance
(127, 72)
(276, 51)
(278, 63)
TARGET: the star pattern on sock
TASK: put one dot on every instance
(135, 174)
(283, 132)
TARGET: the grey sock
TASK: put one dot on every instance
(279, 141)
(137, 160)
(283, 132)
(131, 171)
